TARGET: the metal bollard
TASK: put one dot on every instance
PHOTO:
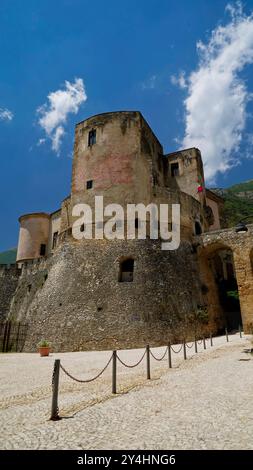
(204, 342)
(169, 356)
(240, 330)
(148, 362)
(196, 347)
(226, 330)
(184, 350)
(211, 339)
(114, 372)
(55, 385)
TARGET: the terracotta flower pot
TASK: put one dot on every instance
(44, 351)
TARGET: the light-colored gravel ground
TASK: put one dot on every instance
(202, 403)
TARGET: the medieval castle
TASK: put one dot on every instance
(104, 294)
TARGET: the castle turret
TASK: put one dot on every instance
(33, 236)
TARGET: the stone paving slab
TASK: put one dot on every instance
(202, 403)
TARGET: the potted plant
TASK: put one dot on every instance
(44, 347)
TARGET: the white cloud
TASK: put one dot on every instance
(179, 81)
(217, 96)
(6, 114)
(150, 83)
(53, 115)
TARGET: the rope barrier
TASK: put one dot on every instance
(57, 366)
(176, 352)
(159, 358)
(88, 380)
(189, 346)
(134, 365)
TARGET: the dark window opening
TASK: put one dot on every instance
(174, 169)
(55, 236)
(198, 229)
(89, 184)
(29, 287)
(92, 137)
(42, 249)
(45, 277)
(126, 273)
(82, 228)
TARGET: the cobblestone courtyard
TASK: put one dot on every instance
(202, 403)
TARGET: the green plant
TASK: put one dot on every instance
(44, 344)
(233, 294)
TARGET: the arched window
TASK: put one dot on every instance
(198, 229)
(126, 272)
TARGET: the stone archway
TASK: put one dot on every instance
(220, 288)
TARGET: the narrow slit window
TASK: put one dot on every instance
(42, 249)
(198, 228)
(89, 184)
(174, 169)
(126, 273)
(92, 138)
(55, 237)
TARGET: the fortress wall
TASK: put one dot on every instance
(82, 305)
(9, 276)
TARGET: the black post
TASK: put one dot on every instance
(6, 326)
(17, 337)
(8, 336)
(148, 362)
(196, 347)
(226, 330)
(211, 339)
(114, 372)
(204, 342)
(55, 386)
(169, 356)
(240, 330)
(184, 350)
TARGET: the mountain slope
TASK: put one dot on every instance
(8, 257)
(238, 202)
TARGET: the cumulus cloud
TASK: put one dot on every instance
(54, 113)
(217, 96)
(6, 114)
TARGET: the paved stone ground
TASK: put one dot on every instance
(202, 403)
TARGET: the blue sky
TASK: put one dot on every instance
(129, 55)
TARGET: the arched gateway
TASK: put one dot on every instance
(225, 260)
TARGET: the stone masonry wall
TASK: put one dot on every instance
(9, 276)
(75, 299)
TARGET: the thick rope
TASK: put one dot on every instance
(176, 352)
(88, 380)
(129, 365)
(159, 358)
(189, 346)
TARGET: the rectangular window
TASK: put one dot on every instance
(42, 249)
(126, 273)
(174, 169)
(92, 137)
(89, 184)
(55, 236)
